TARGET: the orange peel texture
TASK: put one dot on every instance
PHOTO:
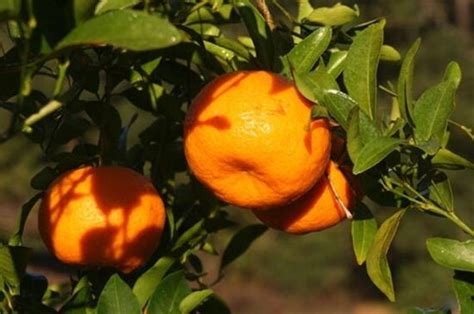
(316, 210)
(102, 217)
(250, 139)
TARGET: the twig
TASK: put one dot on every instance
(467, 130)
(263, 8)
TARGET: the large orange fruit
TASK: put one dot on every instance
(104, 216)
(250, 139)
(316, 210)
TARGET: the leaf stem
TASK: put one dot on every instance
(466, 130)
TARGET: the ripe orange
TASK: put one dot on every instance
(105, 216)
(316, 210)
(249, 138)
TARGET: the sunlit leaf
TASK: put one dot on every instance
(360, 74)
(452, 253)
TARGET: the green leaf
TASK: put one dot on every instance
(304, 9)
(109, 5)
(377, 264)
(13, 260)
(388, 53)
(361, 130)
(168, 294)
(441, 192)
(360, 74)
(306, 54)
(149, 280)
(9, 9)
(453, 73)
(117, 297)
(463, 283)
(333, 16)
(127, 29)
(240, 242)
(321, 77)
(405, 83)
(189, 234)
(339, 106)
(193, 300)
(16, 238)
(447, 158)
(259, 32)
(81, 301)
(363, 229)
(431, 114)
(337, 63)
(452, 253)
(374, 152)
(81, 10)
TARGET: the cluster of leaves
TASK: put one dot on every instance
(155, 56)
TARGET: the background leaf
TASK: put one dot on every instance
(332, 16)
(108, 5)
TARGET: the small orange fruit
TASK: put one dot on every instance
(249, 138)
(104, 216)
(316, 210)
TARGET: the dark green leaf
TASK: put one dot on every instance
(339, 106)
(33, 287)
(447, 158)
(13, 260)
(117, 297)
(306, 54)
(16, 238)
(189, 234)
(374, 152)
(360, 74)
(213, 305)
(405, 83)
(240, 242)
(168, 295)
(321, 77)
(363, 232)
(332, 16)
(108, 5)
(148, 281)
(127, 29)
(377, 264)
(81, 301)
(463, 283)
(193, 300)
(259, 32)
(431, 114)
(452, 253)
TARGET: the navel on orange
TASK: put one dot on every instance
(104, 216)
(250, 139)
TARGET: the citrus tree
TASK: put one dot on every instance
(78, 77)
